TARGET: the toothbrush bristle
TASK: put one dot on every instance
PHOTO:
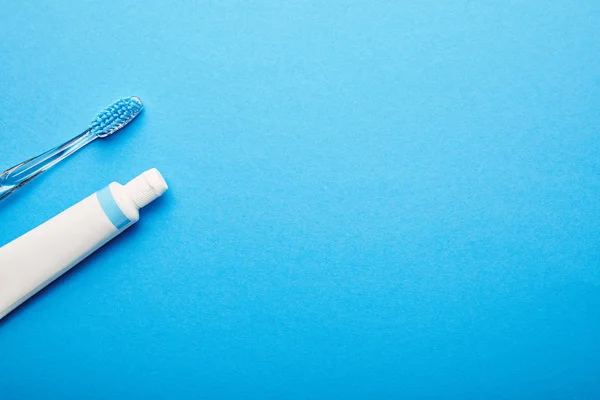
(116, 116)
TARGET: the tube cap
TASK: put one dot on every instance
(146, 187)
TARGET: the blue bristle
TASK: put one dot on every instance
(116, 116)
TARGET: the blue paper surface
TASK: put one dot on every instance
(368, 199)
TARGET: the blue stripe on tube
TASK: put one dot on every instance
(111, 208)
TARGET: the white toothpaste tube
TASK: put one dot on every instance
(32, 261)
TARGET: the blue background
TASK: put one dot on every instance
(367, 199)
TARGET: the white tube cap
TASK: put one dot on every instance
(146, 187)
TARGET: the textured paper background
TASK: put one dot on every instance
(369, 199)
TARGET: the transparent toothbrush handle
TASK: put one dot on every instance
(21, 174)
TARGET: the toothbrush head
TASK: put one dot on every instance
(116, 116)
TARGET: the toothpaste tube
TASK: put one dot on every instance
(32, 261)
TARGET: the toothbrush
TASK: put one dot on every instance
(107, 122)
